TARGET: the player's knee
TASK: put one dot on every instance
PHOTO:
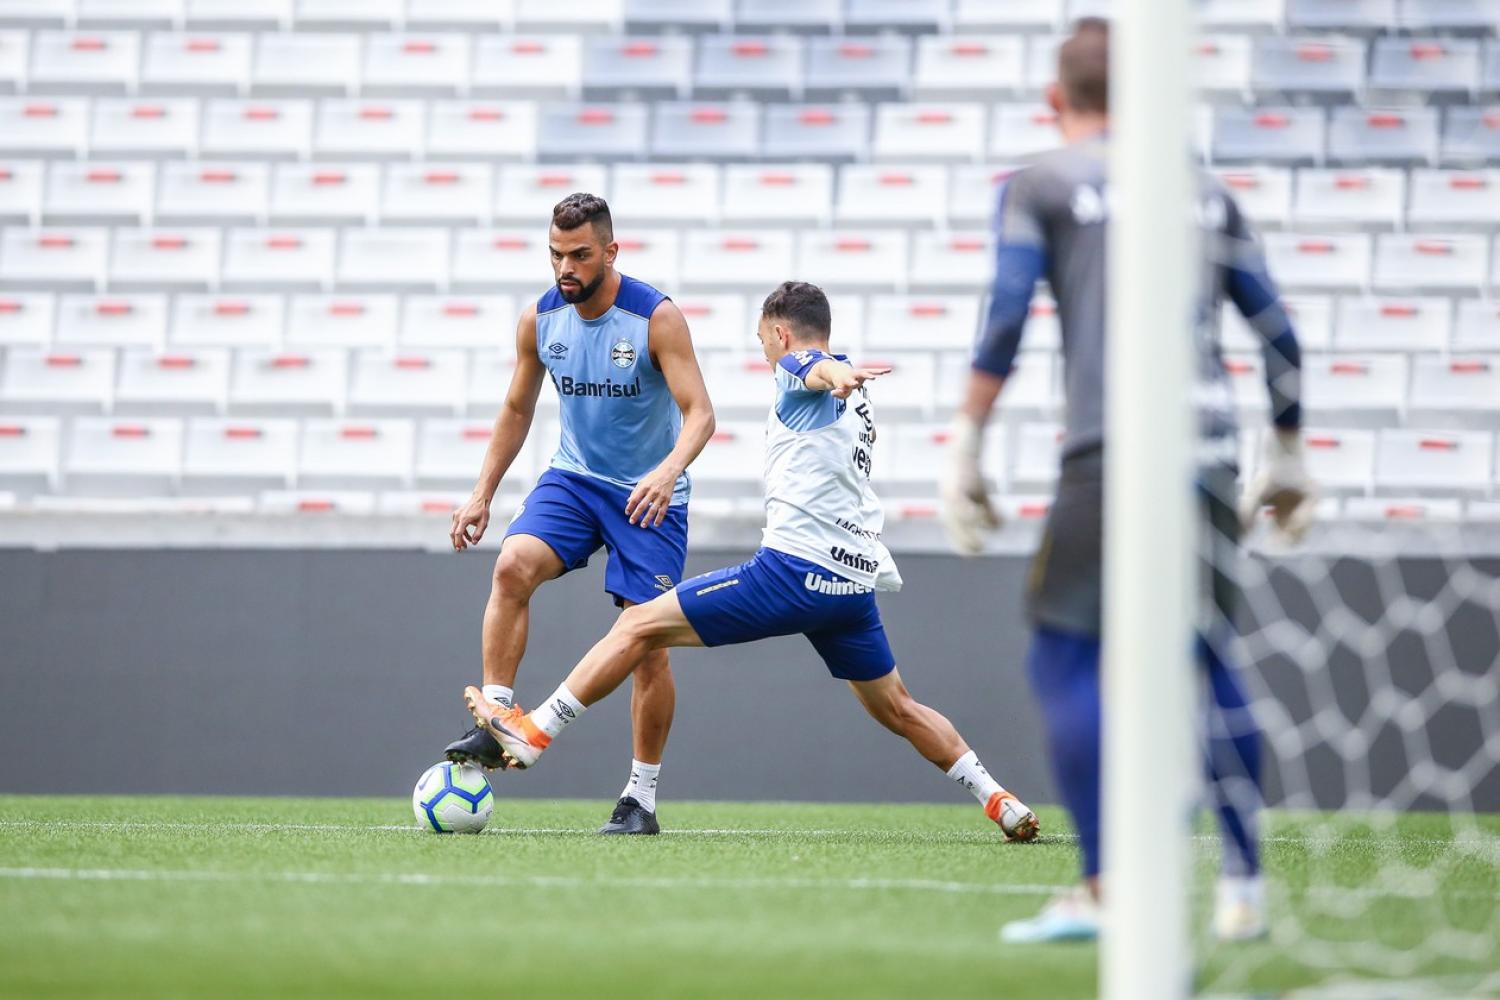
(516, 576)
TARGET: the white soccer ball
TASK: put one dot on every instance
(453, 798)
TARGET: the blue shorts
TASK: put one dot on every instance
(778, 594)
(575, 515)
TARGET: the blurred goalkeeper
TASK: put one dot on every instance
(1051, 222)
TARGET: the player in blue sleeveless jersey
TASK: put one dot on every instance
(635, 414)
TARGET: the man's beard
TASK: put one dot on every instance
(584, 291)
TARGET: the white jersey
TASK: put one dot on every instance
(819, 505)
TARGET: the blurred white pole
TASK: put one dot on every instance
(1150, 758)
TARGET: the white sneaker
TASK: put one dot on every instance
(1240, 909)
(1070, 916)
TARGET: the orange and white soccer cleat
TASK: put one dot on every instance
(517, 735)
(1016, 820)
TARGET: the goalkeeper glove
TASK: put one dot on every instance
(1283, 485)
(967, 513)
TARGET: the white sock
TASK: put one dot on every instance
(642, 784)
(500, 694)
(967, 771)
(557, 711)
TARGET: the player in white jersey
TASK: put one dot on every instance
(820, 562)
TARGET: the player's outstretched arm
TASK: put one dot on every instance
(672, 353)
(509, 433)
(830, 375)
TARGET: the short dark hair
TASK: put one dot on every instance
(1083, 66)
(802, 305)
(582, 208)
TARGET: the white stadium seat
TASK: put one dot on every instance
(921, 322)
(470, 321)
(577, 16)
(111, 320)
(206, 191)
(492, 130)
(179, 382)
(345, 320)
(450, 452)
(165, 258)
(920, 453)
(1356, 198)
(325, 193)
(725, 258)
(29, 450)
(39, 380)
(988, 16)
(258, 129)
(359, 454)
(605, 131)
(501, 258)
(305, 63)
(1263, 193)
(1478, 325)
(21, 191)
(43, 125)
(239, 14)
(317, 503)
(1455, 199)
(281, 258)
(719, 321)
(1330, 260)
(1393, 324)
(1453, 261)
(1418, 461)
(536, 65)
(735, 455)
(53, 257)
(684, 194)
(651, 255)
(853, 258)
(1359, 14)
(280, 383)
(1035, 454)
(490, 373)
(26, 318)
(1426, 14)
(368, 129)
(355, 15)
(690, 15)
(238, 454)
(959, 261)
(1021, 130)
(977, 66)
(393, 258)
(203, 320)
(197, 62)
(93, 62)
(1455, 391)
(1399, 135)
(436, 192)
(1312, 315)
(526, 193)
(767, 65)
(836, 131)
(727, 130)
(929, 131)
(740, 384)
(13, 57)
(1425, 65)
(407, 64)
(1356, 390)
(643, 65)
(123, 457)
(410, 382)
(1224, 64)
(974, 192)
(1342, 460)
(166, 126)
(98, 191)
(876, 194)
(1404, 510)
(1324, 64)
(1268, 134)
(778, 193)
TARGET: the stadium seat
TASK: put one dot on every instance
(1043, 330)
(1478, 325)
(368, 129)
(719, 321)
(53, 257)
(88, 62)
(778, 193)
(407, 64)
(29, 450)
(197, 191)
(919, 458)
(26, 318)
(734, 457)
(327, 193)
(1471, 135)
(1430, 67)
(1383, 135)
(1451, 199)
(1223, 65)
(165, 258)
(287, 383)
(490, 373)
(1035, 454)
(305, 63)
(1341, 461)
(605, 131)
(1247, 385)
(341, 321)
(410, 383)
(471, 321)
(226, 320)
(238, 129)
(908, 392)
(849, 259)
(1447, 261)
(156, 127)
(1022, 130)
(807, 16)
(1322, 66)
(98, 191)
(355, 454)
(1041, 61)
(450, 452)
(1311, 315)
(1263, 193)
(196, 63)
(1461, 390)
(238, 455)
(973, 67)
(643, 193)
(1387, 324)
(122, 457)
(1288, 135)
(679, 15)
(957, 261)
(1425, 14)
(989, 16)
(317, 503)
(1410, 461)
(816, 131)
(740, 384)
(974, 192)
(876, 67)
(1241, 15)
(652, 255)
(699, 130)
(34, 126)
(915, 16)
(1367, 15)
(492, 130)
(239, 14)
(486, 259)
(1305, 260)
(179, 382)
(436, 192)
(767, 66)
(931, 131)
(921, 322)
(1371, 198)
(13, 55)
(347, 15)
(281, 258)
(640, 65)
(1489, 71)
(111, 320)
(526, 193)
(849, 313)
(1360, 390)
(1413, 511)
(42, 380)
(884, 194)
(531, 65)
(410, 258)
(574, 16)
(727, 259)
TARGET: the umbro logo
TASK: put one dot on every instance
(563, 709)
(557, 350)
(664, 582)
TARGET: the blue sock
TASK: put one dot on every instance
(1233, 764)
(1064, 670)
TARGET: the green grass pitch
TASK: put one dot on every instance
(214, 897)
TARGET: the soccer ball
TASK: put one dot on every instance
(453, 798)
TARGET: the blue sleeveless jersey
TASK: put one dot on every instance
(619, 420)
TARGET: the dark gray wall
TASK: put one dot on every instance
(340, 672)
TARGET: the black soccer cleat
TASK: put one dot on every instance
(631, 818)
(476, 747)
